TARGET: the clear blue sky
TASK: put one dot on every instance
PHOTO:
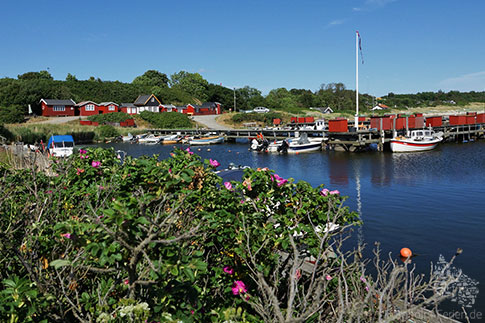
(409, 46)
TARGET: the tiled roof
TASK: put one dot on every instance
(58, 102)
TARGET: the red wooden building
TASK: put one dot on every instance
(205, 108)
(87, 108)
(108, 107)
(58, 108)
(128, 108)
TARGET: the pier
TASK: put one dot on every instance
(351, 141)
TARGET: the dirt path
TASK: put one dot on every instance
(210, 122)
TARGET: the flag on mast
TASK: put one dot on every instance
(360, 47)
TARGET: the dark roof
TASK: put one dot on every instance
(58, 102)
(208, 105)
(142, 99)
(127, 105)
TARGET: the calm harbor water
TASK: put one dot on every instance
(431, 202)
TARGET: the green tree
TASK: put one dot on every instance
(12, 114)
(42, 75)
(152, 78)
(70, 77)
(192, 83)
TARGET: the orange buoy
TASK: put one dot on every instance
(406, 252)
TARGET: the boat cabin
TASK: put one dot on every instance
(61, 145)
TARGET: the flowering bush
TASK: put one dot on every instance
(143, 239)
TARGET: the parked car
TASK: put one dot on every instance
(261, 110)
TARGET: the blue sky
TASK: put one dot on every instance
(409, 46)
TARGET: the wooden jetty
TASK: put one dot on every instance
(351, 141)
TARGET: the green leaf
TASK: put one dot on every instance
(60, 263)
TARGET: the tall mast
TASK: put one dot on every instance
(356, 80)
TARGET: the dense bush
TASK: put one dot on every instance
(110, 117)
(107, 131)
(12, 114)
(149, 240)
(266, 118)
(27, 136)
(167, 120)
(5, 133)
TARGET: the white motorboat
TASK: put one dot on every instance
(207, 140)
(416, 140)
(127, 138)
(61, 145)
(150, 139)
(171, 139)
(301, 144)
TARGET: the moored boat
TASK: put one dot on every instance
(127, 138)
(171, 139)
(301, 144)
(416, 140)
(61, 145)
(150, 139)
(206, 140)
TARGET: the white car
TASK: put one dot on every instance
(261, 110)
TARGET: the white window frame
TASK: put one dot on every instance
(90, 107)
(111, 108)
(59, 108)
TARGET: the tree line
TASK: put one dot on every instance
(183, 87)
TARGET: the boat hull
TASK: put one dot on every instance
(207, 141)
(305, 148)
(402, 146)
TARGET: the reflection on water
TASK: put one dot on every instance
(432, 202)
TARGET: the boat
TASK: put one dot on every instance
(416, 140)
(206, 140)
(150, 139)
(303, 144)
(300, 144)
(61, 145)
(127, 138)
(171, 139)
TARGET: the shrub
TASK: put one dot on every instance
(5, 133)
(27, 136)
(110, 117)
(167, 120)
(266, 118)
(12, 114)
(107, 131)
(148, 239)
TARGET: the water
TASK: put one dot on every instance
(431, 202)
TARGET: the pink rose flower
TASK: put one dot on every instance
(66, 235)
(334, 192)
(282, 182)
(214, 163)
(228, 270)
(328, 277)
(126, 281)
(362, 278)
(188, 150)
(228, 185)
(95, 164)
(324, 192)
(82, 151)
(238, 287)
